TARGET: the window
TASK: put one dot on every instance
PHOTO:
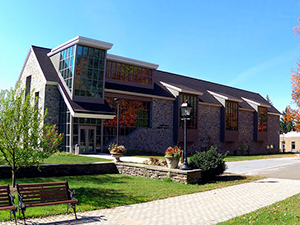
(293, 146)
(28, 85)
(128, 73)
(37, 98)
(133, 114)
(193, 100)
(89, 72)
(231, 115)
(66, 65)
(262, 119)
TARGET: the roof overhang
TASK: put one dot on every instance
(224, 96)
(83, 41)
(175, 90)
(132, 61)
(255, 104)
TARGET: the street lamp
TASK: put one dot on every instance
(118, 113)
(186, 109)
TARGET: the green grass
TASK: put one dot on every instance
(253, 157)
(61, 159)
(283, 212)
(110, 190)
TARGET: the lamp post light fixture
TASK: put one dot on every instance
(118, 114)
(186, 109)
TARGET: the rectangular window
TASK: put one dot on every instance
(66, 65)
(37, 98)
(231, 115)
(293, 146)
(262, 119)
(193, 100)
(133, 114)
(28, 85)
(128, 73)
(283, 146)
(89, 72)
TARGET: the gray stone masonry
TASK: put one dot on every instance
(159, 172)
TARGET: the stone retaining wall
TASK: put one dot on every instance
(56, 170)
(141, 170)
(159, 172)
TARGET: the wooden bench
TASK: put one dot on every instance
(7, 201)
(44, 194)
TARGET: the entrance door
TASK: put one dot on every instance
(87, 137)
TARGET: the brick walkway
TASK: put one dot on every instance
(208, 207)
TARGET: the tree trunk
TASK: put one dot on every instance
(13, 175)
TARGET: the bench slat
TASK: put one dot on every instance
(11, 207)
(52, 203)
(42, 184)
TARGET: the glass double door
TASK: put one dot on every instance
(87, 137)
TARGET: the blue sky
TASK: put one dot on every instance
(244, 44)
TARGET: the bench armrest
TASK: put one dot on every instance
(21, 203)
(71, 194)
(12, 200)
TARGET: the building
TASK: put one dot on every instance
(290, 142)
(82, 85)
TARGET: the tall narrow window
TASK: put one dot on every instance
(262, 119)
(231, 116)
(293, 146)
(283, 146)
(28, 85)
(37, 98)
(193, 100)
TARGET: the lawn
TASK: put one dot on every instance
(283, 212)
(110, 190)
(253, 157)
(57, 159)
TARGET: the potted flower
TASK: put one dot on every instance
(116, 151)
(172, 156)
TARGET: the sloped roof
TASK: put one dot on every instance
(186, 83)
(205, 86)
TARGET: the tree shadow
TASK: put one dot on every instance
(223, 178)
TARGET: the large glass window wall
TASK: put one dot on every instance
(89, 71)
(128, 73)
(66, 65)
(64, 124)
(193, 100)
(231, 115)
(133, 114)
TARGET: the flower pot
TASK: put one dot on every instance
(117, 156)
(172, 162)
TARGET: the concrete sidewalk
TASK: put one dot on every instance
(205, 208)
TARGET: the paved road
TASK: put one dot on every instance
(286, 168)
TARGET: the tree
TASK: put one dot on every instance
(269, 100)
(286, 126)
(24, 138)
(293, 115)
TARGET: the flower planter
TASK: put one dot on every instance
(172, 162)
(117, 156)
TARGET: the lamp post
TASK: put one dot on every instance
(186, 109)
(118, 113)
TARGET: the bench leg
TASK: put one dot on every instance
(73, 206)
(14, 213)
(22, 210)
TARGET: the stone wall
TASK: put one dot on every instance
(209, 133)
(57, 170)
(131, 169)
(52, 104)
(157, 138)
(161, 173)
(38, 81)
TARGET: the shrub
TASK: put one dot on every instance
(211, 162)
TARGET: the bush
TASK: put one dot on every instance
(211, 162)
